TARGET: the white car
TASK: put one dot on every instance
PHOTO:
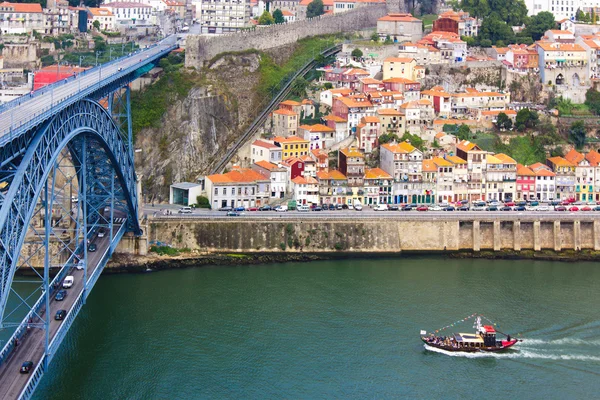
(281, 208)
(80, 264)
(351, 207)
(381, 207)
(68, 282)
(542, 208)
(357, 207)
(185, 210)
(434, 208)
(478, 208)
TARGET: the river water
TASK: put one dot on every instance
(333, 329)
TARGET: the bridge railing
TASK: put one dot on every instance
(47, 112)
(49, 87)
(21, 330)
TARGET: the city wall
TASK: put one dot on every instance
(278, 234)
(203, 48)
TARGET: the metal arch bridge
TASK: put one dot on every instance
(68, 193)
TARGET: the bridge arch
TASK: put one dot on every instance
(83, 126)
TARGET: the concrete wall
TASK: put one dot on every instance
(248, 234)
(203, 48)
(23, 55)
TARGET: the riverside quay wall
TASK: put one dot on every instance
(201, 48)
(377, 234)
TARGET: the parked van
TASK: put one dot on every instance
(303, 208)
(357, 206)
(381, 207)
(68, 282)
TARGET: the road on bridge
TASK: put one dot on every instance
(31, 346)
(30, 106)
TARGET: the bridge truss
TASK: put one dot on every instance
(63, 184)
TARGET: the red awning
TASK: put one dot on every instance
(489, 329)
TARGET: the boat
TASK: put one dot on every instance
(485, 339)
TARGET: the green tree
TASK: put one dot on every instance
(526, 119)
(299, 87)
(388, 137)
(414, 140)
(278, 16)
(464, 132)
(580, 16)
(485, 43)
(356, 53)
(375, 37)
(327, 85)
(539, 24)
(592, 100)
(513, 12)
(503, 122)
(577, 133)
(315, 8)
(96, 25)
(495, 29)
(266, 19)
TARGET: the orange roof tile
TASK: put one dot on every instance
(389, 111)
(334, 118)
(266, 165)
(376, 173)
(428, 166)
(465, 145)
(573, 156)
(524, 171)
(399, 18)
(560, 162)
(403, 147)
(505, 158)
(593, 157)
(290, 103)
(456, 160)
(399, 59)
(240, 175)
(23, 7)
(290, 139)
(352, 152)
(548, 46)
(284, 111)
(370, 120)
(267, 145)
(316, 128)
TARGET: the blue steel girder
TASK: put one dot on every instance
(84, 118)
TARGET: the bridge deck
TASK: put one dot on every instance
(31, 109)
(31, 346)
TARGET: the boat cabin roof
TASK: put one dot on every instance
(489, 329)
(468, 338)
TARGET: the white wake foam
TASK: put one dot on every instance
(516, 354)
(572, 341)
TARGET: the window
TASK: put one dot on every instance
(224, 191)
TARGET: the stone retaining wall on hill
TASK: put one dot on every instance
(203, 48)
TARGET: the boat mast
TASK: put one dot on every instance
(477, 325)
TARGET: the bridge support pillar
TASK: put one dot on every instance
(497, 237)
(596, 235)
(476, 236)
(517, 235)
(557, 241)
(537, 244)
(577, 235)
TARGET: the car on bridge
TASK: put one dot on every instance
(60, 295)
(92, 247)
(26, 367)
(101, 232)
(60, 315)
(68, 282)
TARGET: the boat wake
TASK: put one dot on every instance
(563, 341)
(516, 354)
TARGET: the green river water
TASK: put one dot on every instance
(345, 329)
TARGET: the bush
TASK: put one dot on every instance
(164, 250)
(202, 202)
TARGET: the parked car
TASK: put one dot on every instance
(449, 208)
(357, 207)
(585, 208)
(534, 203)
(478, 207)
(252, 208)
(60, 295)
(422, 208)
(573, 208)
(233, 214)
(407, 207)
(60, 315)
(185, 210)
(555, 203)
(597, 208)
(560, 208)
(519, 208)
(302, 208)
(521, 203)
(331, 207)
(434, 207)
(491, 208)
(339, 207)
(509, 204)
(344, 206)
(317, 208)
(265, 208)
(92, 247)
(281, 208)
(227, 208)
(240, 208)
(543, 207)
(26, 367)
(392, 207)
(463, 208)
(506, 208)
(380, 207)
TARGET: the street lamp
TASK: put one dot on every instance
(97, 54)
(80, 57)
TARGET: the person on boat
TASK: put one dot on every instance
(508, 338)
